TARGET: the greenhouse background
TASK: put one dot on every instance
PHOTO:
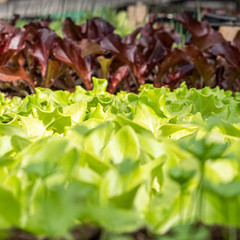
(37, 8)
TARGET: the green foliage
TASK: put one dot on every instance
(118, 19)
(121, 161)
(188, 232)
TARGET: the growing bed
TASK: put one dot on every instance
(158, 161)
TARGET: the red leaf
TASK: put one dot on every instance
(11, 74)
(148, 56)
(182, 71)
(89, 47)
(5, 28)
(113, 43)
(130, 38)
(32, 30)
(167, 37)
(12, 43)
(196, 28)
(236, 40)
(119, 75)
(42, 48)
(227, 51)
(175, 57)
(70, 53)
(207, 41)
(71, 30)
(185, 61)
(201, 63)
(97, 28)
(203, 36)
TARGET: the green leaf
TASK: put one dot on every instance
(19, 143)
(138, 128)
(151, 146)
(6, 146)
(11, 130)
(125, 200)
(181, 176)
(116, 220)
(87, 159)
(57, 209)
(54, 119)
(110, 186)
(99, 85)
(124, 144)
(211, 146)
(225, 190)
(40, 158)
(32, 126)
(184, 232)
(81, 129)
(9, 208)
(126, 166)
(76, 111)
(204, 103)
(97, 138)
(6, 159)
(148, 118)
(105, 64)
(169, 129)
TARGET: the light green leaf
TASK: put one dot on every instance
(11, 130)
(117, 220)
(19, 143)
(9, 208)
(76, 111)
(124, 144)
(99, 85)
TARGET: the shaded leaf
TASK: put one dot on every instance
(196, 28)
(70, 53)
(89, 47)
(203, 35)
(43, 46)
(229, 52)
(71, 30)
(52, 72)
(125, 52)
(97, 28)
(11, 74)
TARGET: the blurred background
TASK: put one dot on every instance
(125, 15)
(38, 8)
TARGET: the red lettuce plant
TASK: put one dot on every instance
(39, 57)
(207, 60)
(91, 49)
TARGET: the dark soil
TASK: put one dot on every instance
(93, 233)
(221, 233)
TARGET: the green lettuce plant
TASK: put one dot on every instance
(121, 162)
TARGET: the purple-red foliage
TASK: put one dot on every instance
(36, 55)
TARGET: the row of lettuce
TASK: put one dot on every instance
(36, 56)
(122, 162)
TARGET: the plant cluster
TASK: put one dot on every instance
(156, 159)
(37, 55)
